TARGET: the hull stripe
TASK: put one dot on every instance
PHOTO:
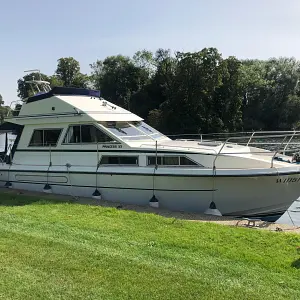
(111, 187)
(113, 150)
(155, 175)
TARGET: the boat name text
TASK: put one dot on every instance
(112, 146)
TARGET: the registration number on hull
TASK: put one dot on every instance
(288, 180)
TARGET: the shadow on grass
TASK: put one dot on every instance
(12, 197)
(19, 198)
(296, 264)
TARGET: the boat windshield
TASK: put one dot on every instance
(132, 130)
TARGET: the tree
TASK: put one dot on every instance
(187, 92)
(271, 93)
(254, 87)
(191, 86)
(228, 97)
(119, 79)
(155, 118)
(68, 72)
(3, 110)
(145, 60)
(283, 93)
(55, 81)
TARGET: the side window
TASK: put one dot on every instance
(86, 134)
(45, 137)
(37, 138)
(119, 160)
(51, 137)
(152, 160)
(171, 161)
(73, 135)
(163, 160)
(184, 161)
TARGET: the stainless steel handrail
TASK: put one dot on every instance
(251, 138)
(240, 133)
(289, 142)
(272, 160)
(264, 136)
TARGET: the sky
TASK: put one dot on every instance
(34, 34)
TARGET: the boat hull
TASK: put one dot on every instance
(233, 195)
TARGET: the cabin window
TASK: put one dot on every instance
(86, 134)
(171, 161)
(119, 160)
(45, 137)
(152, 160)
(184, 161)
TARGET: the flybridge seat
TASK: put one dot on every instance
(64, 91)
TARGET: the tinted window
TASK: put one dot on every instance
(45, 137)
(164, 160)
(171, 161)
(152, 160)
(128, 160)
(73, 135)
(51, 137)
(37, 138)
(86, 134)
(109, 160)
(119, 160)
(184, 161)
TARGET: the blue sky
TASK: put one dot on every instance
(35, 33)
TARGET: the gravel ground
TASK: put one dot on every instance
(194, 217)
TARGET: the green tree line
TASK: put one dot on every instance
(190, 92)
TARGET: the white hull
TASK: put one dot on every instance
(251, 195)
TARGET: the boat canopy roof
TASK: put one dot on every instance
(71, 105)
(9, 127)
(64, 91)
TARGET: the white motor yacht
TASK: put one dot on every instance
(72, 141)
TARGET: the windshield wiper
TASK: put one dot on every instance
(120, 130)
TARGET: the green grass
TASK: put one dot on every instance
(58, 250)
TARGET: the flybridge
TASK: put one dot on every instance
(42, 89)
(64, 91)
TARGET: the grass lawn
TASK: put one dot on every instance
(58, 250)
